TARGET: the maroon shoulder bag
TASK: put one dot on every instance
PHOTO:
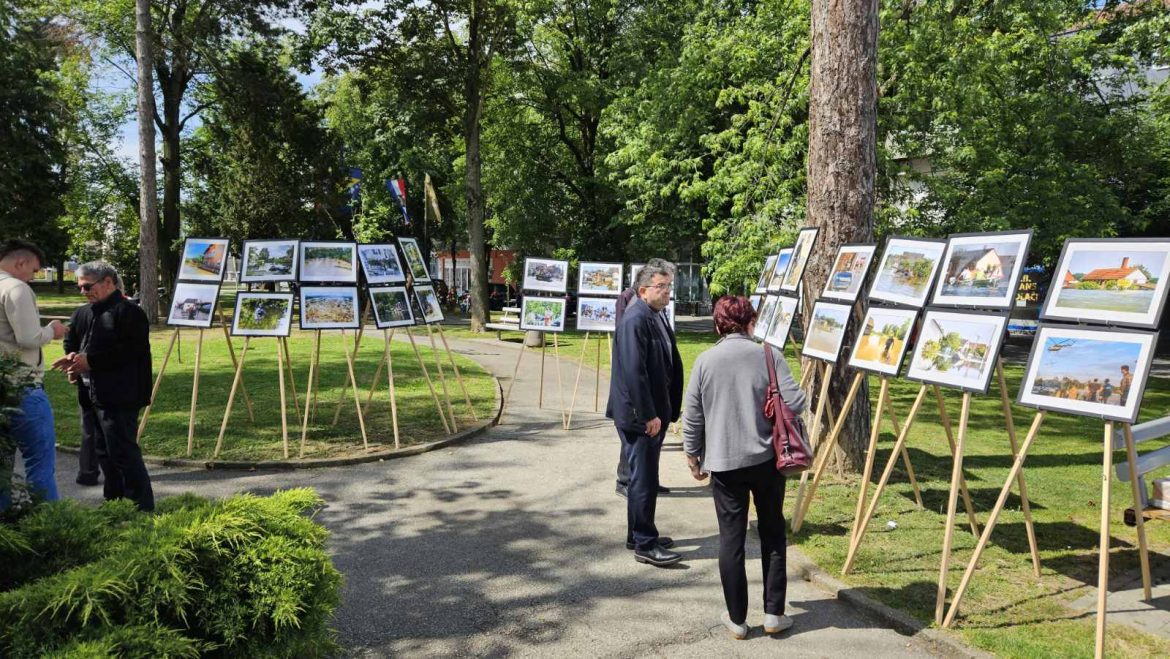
(793, 454)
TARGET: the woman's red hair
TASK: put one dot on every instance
(733, 314)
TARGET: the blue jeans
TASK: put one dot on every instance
(36, 438)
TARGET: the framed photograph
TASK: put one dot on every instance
(907, 270)
(755, 301)
(781, 324)
(881, 343)
(669, 311)
(392, 306)
(1121, 281)
(826, 332)
(956, 349)
(764, 316)
(204, 259)
(800, 253)
(848, 272)
(192, 305)
(269, 260)
(783, 260)
(546, 275)
(544, 314)
(328, 261)
(262, 314)
(381, 265)
(428, 303)
(766, 274)
(635, 268)
(1090, 372)
(329, 307)
(600, 279)
(597, 314)
(414, 259)
(982, 269)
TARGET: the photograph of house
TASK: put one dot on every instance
(1119, 282)
(203, 259)
(982, 270)
(848, 272)
(907, 271)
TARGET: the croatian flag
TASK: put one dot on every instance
(397, 188)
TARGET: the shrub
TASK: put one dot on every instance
(245, 576)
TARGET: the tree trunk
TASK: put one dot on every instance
(842, 164)
(172, 176)
(148, 187)
(473, 183)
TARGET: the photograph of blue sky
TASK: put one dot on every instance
(1084, 262)
(1086, 358)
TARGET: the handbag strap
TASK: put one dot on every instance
(773, 395)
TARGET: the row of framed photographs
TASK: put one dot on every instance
(1121, 281)
(593, 278)
(594, 314)
(1097, 372)
(322, 307)
(287, 260)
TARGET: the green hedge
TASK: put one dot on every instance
(242, 577)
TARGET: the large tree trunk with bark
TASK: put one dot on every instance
(473, 183)
(172, 175)
(842, 164)
(148, 188)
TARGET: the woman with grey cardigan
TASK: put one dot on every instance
(726, 435)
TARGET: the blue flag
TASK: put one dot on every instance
(355, 182)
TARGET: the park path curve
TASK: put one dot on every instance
(513, 545)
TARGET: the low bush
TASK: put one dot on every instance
(246, 576)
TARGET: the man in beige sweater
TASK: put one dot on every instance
(21, 334)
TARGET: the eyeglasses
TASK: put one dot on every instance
(86, 287)
(659, 286)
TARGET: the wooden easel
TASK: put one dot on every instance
(281, 357)
(314, 387)
(430, 385)
(387, 362)
(543, 352)
(596, 380)
(442, 378)
(1103, 559)
(824, 450)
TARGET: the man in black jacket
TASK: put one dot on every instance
(113, 364)
(645, 396)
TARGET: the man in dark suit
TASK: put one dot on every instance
(113, 363)
(645, 396)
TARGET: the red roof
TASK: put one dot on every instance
(1108, 274)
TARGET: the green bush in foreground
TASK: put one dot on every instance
(245, 576)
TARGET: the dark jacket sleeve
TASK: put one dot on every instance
(72, 340)
(131, 344)
(634, 372)
(676, 381)
(623, 301)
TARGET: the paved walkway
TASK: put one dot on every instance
(513, 545)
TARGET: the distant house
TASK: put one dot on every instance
(985, 265)
(1134, 275)
(1069, 280)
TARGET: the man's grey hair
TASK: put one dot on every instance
(654, 267)
(99, 270)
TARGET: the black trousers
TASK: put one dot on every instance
(87, 457)
(642, 453)
(623, 468)
(731, 489)
(120, 457)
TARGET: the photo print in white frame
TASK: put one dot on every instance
(328, 261)
(907, 270)
(801, 252)
(203, 259)
(381, 265)
(192, 305)
(882, 340)
(392, 307)
(766, 274)
(599, 278)
(847, 274)
(668, 310)
(597, 314)
(1096, 372)
(781, 322)
(958, 349)
(1118, 281)
(982, 270)
(550, 275)
(268, 261)
(329, 307)
(826, 330)
(765, 315)
(262, 314)
(414, 260)
(543, 314)
(783, 261)
(428, 303)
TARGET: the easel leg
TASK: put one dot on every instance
(281, 359)
(814, 432)
(430, 385)
(378, 371)
(194, 394)
(826, 449)
(515, 371)
(1139, 518)
(357, 399)
(1025, 504)
(1103, 562)
(292, 381)
(597, 378)
(946, 424)
(543, 351)
(580, 367)
(1017, 465)
(952, 506)
(227, 413)
(871, 452)
(863, 522)
(442, 378)
(223, 323)
(357, 344)
(311, 391)
(157, 383)
(560, 387)
(905, 455)
(393, 393)
(458, 375)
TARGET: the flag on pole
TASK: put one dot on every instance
(355, 182)
(432, 199)
(397, 188)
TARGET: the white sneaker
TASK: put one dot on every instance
(738, 632)
(776, 624)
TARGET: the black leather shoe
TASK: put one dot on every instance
(621, 491)
(657, 556)
(666, 542)
(662, 489)
(89, 481)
